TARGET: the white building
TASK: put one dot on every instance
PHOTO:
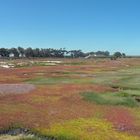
(11, 55)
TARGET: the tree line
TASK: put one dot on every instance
(56, 53)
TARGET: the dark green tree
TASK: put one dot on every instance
(36, 52)
(29, 52)
(14, 51)
(123, 55)
(21, 51)
(117, 55)
(4, 52)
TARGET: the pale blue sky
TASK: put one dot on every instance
(89, 25)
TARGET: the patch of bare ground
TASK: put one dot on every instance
(15, 88)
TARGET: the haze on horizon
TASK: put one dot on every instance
(89, 25)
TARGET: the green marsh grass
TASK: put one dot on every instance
(58, 80)
(124, 98)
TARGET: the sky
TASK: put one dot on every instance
(89, 25)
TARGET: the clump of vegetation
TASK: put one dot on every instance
(85, 129)
(117, 55)
(124, 98)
